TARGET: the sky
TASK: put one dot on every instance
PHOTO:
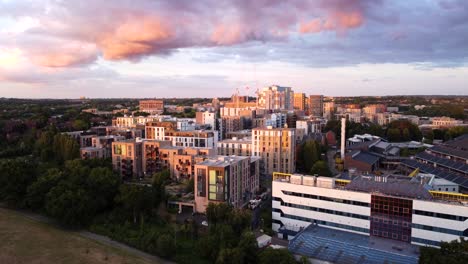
(211, 48)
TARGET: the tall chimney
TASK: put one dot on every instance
(343, 137)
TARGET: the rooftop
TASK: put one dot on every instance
(390, 186)
(457, 151)
(337, 246)
(451, 176)
(247, 140)
(365, 157)
(221, 161)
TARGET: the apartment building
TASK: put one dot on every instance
(152, 106)
(182, 167)
(151, 161)
(328, 110)
(276, 98)
(127, 158)
(157, 130)
(235, 146)
(276, 120)
(206, 118)
(226, 179)
(445, 122)
(316, 105)
(132, 121)
(196, 138)
(396, 208)
(300, 100)
(276, 147)
(93, 153)
(309, 126)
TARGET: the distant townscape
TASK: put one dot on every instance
(276, 177)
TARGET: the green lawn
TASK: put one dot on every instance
(24, 241)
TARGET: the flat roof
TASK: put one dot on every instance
(221, 161)
(392, 186)
(237, 140)
(338, 246)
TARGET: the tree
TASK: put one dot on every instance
(320, 168)
(70, 204)
(393, 134)
(36, 193)
(166, 246)
(139, 113)
(102, 185)
(231, 255)
(454, 252)
(279, 256)
(135, 200)
(310, 153)
(249, 246)
(79, 124)
(15, 177)
(217, 213)
(406, 135)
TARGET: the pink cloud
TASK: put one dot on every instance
(124, 30)
(336, 21)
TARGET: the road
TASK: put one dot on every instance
(98, 238)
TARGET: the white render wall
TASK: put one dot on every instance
(417, 219)
(444, 208)
(293, 224)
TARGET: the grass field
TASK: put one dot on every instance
(24, 241)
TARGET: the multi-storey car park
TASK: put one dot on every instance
(384, 218)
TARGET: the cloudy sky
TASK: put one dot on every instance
(182, 48)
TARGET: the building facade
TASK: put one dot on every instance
(276, 98)
(152, 106)
(276, 147)
(226, 179)
(300, 101)
(405, 212)
(127, 158)
(316, 105)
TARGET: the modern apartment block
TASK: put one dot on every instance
(152, 161)
(235, 146)
(397, 208)
(127, 158)
(157, 130)
(176, 134)
(206, 118)
(276, 147)
(182, 167)
(328, 110)
(226, 179)
(152, 106)
(132, 121)
(276, 98)
(98, 146)
(316, 105)
(300, 100)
